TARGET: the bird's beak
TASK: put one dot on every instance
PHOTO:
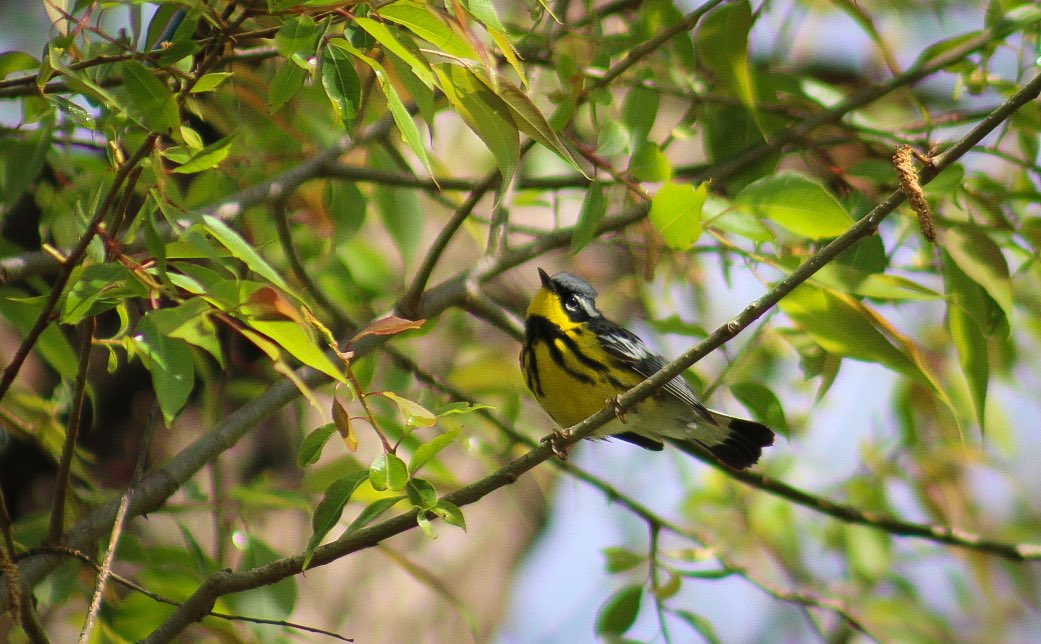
(544, 276)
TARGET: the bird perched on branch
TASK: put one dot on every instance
(575, 361)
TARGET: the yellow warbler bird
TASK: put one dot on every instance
(575, 360)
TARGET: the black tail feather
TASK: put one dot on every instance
(741, 448)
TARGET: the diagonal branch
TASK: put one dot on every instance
(917, 72)
(157, 486)
(225, 582)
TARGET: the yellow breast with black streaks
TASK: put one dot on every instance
(568, 372)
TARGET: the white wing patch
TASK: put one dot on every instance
(643, 361)
(634, 348)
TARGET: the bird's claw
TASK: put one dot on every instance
(619, 413)
(558, 440)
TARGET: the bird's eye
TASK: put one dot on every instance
(571, 303)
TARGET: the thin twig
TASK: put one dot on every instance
(138, 588)
(655, 569)
(19, 597)
(647, 47)
(285, 240)
(71, 260)
(437, 300)
(730, 167)
(409, 303)
(105, 570)
(61, 484)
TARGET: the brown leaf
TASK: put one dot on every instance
(390, 325)
(342, 420)
(270, 303)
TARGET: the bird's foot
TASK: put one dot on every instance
(558, 440)
(619, 413)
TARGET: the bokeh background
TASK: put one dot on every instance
(531, 566)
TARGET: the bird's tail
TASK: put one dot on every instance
(736, 442)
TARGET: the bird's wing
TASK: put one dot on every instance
(631, 352)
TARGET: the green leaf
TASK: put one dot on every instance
(311, 447)
(427, 451)
(53, 346)
(947, 183)
(967, 302)
(484, 12)
(982, 261)
(269, 601)
(191, 161)
(868, 551)
(708, 574)
(297, 38)
(12, 62)
(612, 139)
(210, 82)
(74, 112)
(700, 624)
(179, 45)
(402, 214)
(423, 96)
(21, 162)
(286, 83)
(485, 113)
(639, 111)
(531, 121)
(797, 203)
(622, 559)
(728, 132)
(295, 339)
(388, 472)
(190, 321)
(329, 509)
(243, 251)
(169, 360)
(347, 208)
(407, 127)
(424, 523)
(867, 256)
(762, 402)
(718, 214)
(426, 24)
(98, 288)
(416, 415)
(372, 511)
(506, 48)
(879, 286)
(421, 494)
(589, 217)
(677, 325)
(722, 43)
(151, 103)
(649, 163)
(461, 408)
(342, 85)
(450, 513)
(618, 613)
(396, 46)
(842, 325)
(676, 213)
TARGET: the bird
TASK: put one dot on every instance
(575, 362)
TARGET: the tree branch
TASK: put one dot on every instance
(226, 582)
(71, 260)
(915, 73)
(159, 485)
